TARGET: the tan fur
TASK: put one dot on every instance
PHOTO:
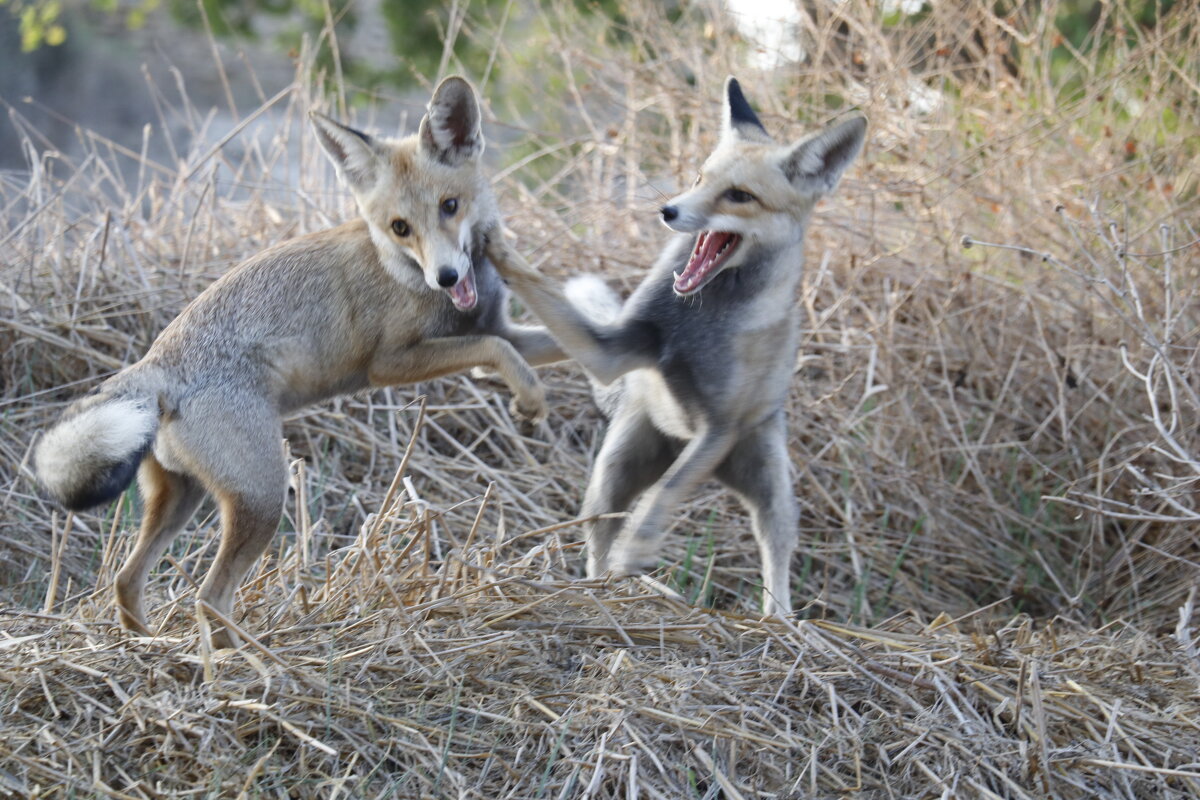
(334, 312)
(413, 190)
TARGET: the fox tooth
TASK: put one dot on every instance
(676, 274)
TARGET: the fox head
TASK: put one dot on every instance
(753, 190)
(423, 197)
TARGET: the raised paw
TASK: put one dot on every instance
(530, 408)
(482, 374)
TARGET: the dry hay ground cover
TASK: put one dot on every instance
(994, 431)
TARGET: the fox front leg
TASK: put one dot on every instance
(606, 351)
(511, 265)
(534, 344)
(433, 358)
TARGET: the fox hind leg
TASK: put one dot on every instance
(637, 547)
(250, 496)
(248, 523)
(757, 470)
(234, 443)
(634, 455)
(170, 500)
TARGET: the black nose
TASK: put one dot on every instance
(669, 213)
(447, 277)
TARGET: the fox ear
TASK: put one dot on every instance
(816, 164)
(354, 153)
(450, 132)
(739, 119)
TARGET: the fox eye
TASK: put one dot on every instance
(400, 228)
(696, 182)
(739, 196)
(450, 206)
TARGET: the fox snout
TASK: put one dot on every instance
(678, 217)
(445, 269)
(455, 276)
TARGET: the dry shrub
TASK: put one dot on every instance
(994, 428)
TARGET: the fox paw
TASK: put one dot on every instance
(529, 410)
(626, 562)
(596, 567)
(222, 639)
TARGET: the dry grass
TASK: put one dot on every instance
(996, 451)
(489, 672)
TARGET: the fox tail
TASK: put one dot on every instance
(93, 452)
(600, 304)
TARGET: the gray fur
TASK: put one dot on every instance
(694, 388)
(352, 152)
(695, 385)
(712, 404)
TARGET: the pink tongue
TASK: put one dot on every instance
(709, 243)
(703, 258)
(463, 292)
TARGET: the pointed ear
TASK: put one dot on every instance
(354, 153)
(739, 119)
(450, 132)
(816, 164)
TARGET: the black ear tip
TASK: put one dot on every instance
(740, 112)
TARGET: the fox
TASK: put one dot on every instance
(402, 293)
(693, 369)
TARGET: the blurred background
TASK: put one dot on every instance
(112, 65)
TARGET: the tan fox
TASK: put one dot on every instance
(403, 294)
(694, 368)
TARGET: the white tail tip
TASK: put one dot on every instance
(90, 457)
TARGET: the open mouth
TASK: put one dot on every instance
(463, 293)
(713, 248)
